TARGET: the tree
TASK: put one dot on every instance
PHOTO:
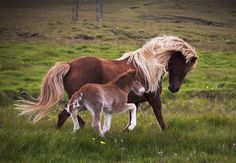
(75, 9)
(99, 10)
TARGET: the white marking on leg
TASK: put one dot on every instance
(133, 119)
(132, 108)
(67, 108)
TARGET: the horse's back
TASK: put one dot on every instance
(83, 70)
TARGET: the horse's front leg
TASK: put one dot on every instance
(154, 100)
(62, 117)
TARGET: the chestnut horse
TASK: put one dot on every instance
(110, 98)
(158, 56)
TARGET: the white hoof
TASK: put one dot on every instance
(102, 134)
(75, 129)
(131, 127)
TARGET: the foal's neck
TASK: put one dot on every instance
(124, 83)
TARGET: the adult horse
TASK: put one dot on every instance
(152, 61)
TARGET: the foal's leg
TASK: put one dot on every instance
(62, 117)
(96, 124)
(130, 117)
(96, 116)
(133, 110)
(75, 120)
(107, 122)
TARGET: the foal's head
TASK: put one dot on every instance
(130, 81)
(178, 68)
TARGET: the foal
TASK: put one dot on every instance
(109, 98)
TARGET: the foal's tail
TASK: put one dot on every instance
(52, 90)
(74, 101)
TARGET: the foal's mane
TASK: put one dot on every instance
(124, 79)
(152, 59)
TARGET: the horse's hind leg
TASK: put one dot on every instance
(75, 120)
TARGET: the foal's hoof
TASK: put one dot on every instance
(130, 128)
(126, 129)
(74, 131)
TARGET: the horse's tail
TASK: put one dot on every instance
(52, 90)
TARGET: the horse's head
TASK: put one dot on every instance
(178, 68)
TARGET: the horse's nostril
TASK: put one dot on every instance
(173, 89)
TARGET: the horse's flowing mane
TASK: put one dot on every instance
(152, 59)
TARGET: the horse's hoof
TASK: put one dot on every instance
(82, 124)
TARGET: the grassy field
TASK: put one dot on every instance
(200, 118)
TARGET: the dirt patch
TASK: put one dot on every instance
(132, 34)
(84, 37)
(133, 7)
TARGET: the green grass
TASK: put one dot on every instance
(200, 118)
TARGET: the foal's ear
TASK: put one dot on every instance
(131, 72)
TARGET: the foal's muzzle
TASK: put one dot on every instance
(142, 90)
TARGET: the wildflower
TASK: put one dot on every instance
(102, 142)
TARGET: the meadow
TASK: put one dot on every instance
(200, 118)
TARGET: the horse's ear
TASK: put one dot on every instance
(193, 60)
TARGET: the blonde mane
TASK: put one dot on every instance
(152, 59)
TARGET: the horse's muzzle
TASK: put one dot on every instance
(173, 89)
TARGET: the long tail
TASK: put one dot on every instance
(52, 90)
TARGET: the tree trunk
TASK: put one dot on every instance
(75, 9)
(99, 10)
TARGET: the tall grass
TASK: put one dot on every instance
(200, 118)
